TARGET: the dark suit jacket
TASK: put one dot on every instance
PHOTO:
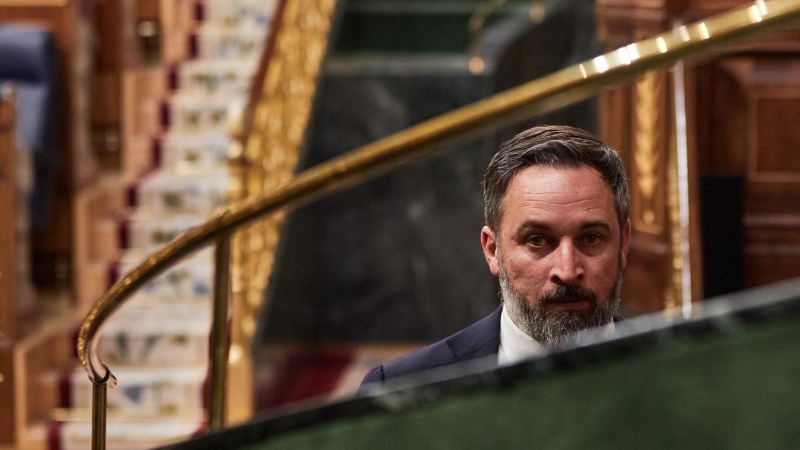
(476, 341)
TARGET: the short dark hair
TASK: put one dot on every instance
(556, 146)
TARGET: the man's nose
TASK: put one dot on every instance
(567, 264)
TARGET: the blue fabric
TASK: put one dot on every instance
(29, 58)
(478, 340)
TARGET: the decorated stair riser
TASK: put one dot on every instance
(189, 153)
(157, 336)
(233, 29)
(189, 282)
(148, 233)
(167, 194)
(202, 114)
(168, 393)
(216, 76)
(242, 14)
(221, 43)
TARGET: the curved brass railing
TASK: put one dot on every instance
(559, 89)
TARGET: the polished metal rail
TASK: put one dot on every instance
(559, 89)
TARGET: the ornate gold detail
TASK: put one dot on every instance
(673, 296)
(648, 152)
(269, 156)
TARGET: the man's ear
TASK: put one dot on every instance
(489, 245)
(626, 240)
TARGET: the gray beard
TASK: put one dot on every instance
(556, 328)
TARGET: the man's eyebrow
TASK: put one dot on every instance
(533, 224)
(537, 225)
(596, 224)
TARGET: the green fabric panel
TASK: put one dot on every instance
(735, 391)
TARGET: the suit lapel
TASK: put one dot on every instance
(478, 340)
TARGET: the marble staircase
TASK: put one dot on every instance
(157, 344)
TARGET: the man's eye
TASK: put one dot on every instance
(536, 241)
(591, 238)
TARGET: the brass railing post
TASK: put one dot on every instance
(99, 391)
(219, 332)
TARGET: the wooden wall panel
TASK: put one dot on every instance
(772, 252)
(775, 137)
(723, 156)
(744, 107)
(613, 125)
(757, 104)
(646, 277)
(8, 257)
(7, 398)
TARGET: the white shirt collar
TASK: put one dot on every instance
(516, 345)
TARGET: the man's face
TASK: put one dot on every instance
(558, 251)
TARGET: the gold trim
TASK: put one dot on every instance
(545, 94)
(271, 152)
(648, 150)
(673, 296)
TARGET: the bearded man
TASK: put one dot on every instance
(556, 235)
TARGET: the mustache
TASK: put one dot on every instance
(566, 292)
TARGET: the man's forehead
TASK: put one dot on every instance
(545, 179)
(561, 190)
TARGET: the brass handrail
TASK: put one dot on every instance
(559, 89)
